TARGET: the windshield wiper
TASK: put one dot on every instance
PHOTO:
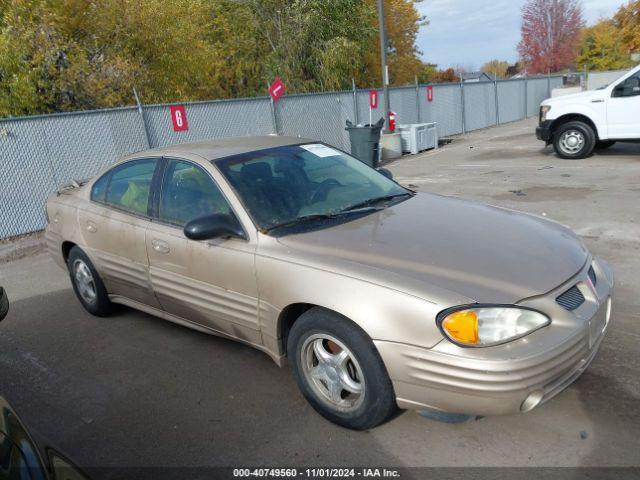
(376, 200)
(316, 216)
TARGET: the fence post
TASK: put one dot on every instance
(355, 102)
(144, 121)
(462, 105)
(549, 84)
(274, 117)
(585, 86)
(526, 95)
(419, 120)
(495, 91)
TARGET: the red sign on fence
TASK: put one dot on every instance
(430, 93)
(276, 90)
(373, 99)
(179, 118)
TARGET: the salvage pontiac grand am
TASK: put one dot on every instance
(380, 297)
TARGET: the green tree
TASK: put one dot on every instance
(627, 19)
(403, 22)
(602, 48)
(61, 55)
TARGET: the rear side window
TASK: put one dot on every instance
(130, 186)
(99, 188)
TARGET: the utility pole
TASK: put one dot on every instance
(383, 65)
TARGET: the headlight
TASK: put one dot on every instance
(485, 325)
(544, 109)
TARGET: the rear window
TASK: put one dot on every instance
(130, 186)
(99, 188)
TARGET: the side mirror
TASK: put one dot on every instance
(386, 172)
(214, 226)
(4, 304)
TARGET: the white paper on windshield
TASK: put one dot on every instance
(320, 150)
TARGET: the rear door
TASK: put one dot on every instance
(114, 225)
(623, 109)
(210, 283)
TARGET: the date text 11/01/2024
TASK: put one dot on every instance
(316, 473)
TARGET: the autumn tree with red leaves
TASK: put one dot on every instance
(550, 34)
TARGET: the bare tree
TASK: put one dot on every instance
(550, 34)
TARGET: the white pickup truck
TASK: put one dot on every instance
(579, 123)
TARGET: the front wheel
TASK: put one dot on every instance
(339, 370)
(574, 140)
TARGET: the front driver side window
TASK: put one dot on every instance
(629, 88)
(188, 192)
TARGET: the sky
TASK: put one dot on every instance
(470, 32)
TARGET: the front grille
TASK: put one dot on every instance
(571, 299)
(592, 276)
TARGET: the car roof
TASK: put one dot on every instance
(225, 147)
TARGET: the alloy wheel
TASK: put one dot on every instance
(333, 372)
(572, 141)
(84, 281)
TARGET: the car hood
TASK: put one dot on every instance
(488, 254)
(573, 97)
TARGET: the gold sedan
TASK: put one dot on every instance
(379, 297)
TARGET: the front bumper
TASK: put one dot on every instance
(544, 132)
(508, 378)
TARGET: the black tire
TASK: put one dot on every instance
(579, 130)
(603, 144)
(377, 403)
(100, 306)
(4, 304)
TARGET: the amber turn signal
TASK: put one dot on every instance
(462, 326)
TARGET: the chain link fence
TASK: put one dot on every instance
(40, 153)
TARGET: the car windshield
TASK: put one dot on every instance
(286, 186)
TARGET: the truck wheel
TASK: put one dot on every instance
(602, 144)
(574, 140)
(339, 370)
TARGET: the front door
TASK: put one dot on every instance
(114, 226)
(211, 283)
(623, 109)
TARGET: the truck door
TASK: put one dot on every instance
(623, 109)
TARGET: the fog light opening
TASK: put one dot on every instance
(532, 401)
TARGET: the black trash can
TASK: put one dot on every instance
(365, 141)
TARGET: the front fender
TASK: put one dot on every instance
(561, 111)
(384, 313)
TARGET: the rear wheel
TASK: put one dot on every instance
(602, 144)
(574, 140)
(339, 370)
(87, 284)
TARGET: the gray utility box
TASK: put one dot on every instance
(417, 137)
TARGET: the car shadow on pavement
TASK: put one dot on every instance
(133, 390)
(619, 149)
(611, 405)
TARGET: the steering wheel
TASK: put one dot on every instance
(323, 189)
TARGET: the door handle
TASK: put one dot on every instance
(91, 227)
(160, 246)
(597, 101)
